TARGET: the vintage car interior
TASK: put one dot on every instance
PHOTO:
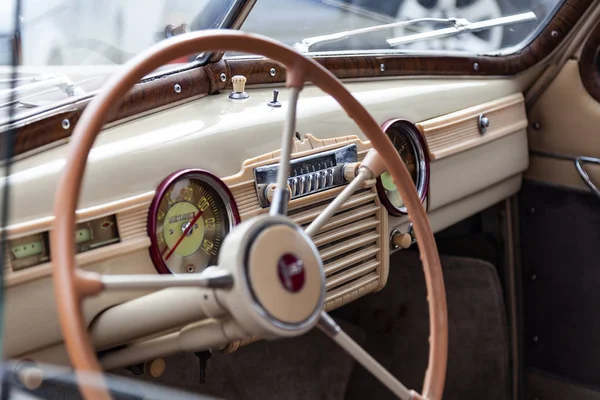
(301, 199)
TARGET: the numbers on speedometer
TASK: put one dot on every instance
(189, 218)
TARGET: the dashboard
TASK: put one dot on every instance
(163, 191)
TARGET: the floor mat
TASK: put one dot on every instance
(395, 321)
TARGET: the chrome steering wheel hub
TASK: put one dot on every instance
(279, 280)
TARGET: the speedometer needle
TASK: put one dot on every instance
(187, 230)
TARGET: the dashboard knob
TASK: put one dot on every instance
(270, 190)
(350, 171)
(401, 240)
(30, 375)
(239, 86)
(155, 368)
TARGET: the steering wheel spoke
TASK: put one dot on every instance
(328, 326)
(210, 278)
(363, 175)
(281, 195)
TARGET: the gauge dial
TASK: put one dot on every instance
(29, 251)
(407, 140)
(189, 218)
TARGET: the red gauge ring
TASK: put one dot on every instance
(189, 217)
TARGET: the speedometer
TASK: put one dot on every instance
(189, 218)
(407, 140)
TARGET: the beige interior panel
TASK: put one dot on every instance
(568, 119)
(560, 172)
(217, 134)
(455, 177)
(459, 210)
(30, 317)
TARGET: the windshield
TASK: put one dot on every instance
(69, 47)
(297, 22)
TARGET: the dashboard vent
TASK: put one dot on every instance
(349, 243)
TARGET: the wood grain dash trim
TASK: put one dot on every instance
(40, 130)
(459, 131)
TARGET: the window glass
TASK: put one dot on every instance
(94, 32)
(68, 48)
(299, 22)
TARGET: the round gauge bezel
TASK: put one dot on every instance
(419, 148)
(199, 174)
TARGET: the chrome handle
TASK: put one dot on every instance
(579, 161)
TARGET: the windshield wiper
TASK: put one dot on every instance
(459, 25)
(463, 25)
(308, 43)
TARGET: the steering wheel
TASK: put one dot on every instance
(259, 250)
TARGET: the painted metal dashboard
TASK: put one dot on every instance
(469, 171)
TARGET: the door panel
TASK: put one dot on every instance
(568, 118)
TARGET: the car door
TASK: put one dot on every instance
(560, 229)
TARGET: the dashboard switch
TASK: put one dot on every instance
(293, 182)
(274, 102)
(309, 184)
(316, 181)
(323, 179)
(301, 185)
(330, 177)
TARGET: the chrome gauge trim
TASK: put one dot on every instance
(418, 146)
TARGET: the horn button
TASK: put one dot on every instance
(279, 281)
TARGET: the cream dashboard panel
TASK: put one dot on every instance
(468, 172)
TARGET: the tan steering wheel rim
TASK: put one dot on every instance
(73, 285)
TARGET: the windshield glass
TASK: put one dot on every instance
(69, 47)
(302, 23)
